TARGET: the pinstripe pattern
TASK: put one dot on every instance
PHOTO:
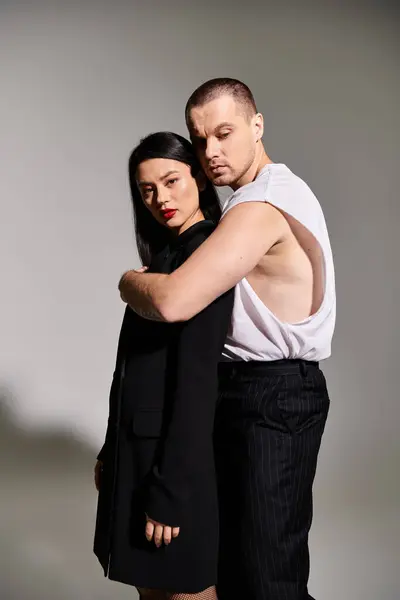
(269, 423)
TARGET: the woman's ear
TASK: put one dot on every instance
(201, 181)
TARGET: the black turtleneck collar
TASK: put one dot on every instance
(173, 254)
(189, 233)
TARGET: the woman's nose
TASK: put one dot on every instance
(162, 197)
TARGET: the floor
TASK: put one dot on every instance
(47, 510)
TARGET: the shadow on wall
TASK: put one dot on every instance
(47, 515)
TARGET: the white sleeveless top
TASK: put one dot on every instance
(255, 332)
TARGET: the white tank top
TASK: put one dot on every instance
(255, 332)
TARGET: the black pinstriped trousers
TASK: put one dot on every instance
(269, 422)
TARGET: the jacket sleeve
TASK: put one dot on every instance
(187, 440)
(102, 454)
(106, 448)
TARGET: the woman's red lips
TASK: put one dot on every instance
(168, 214)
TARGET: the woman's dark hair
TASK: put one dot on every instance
(151, 236)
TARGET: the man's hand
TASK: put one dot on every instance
(135, 287)
(121, 281)
(159, 532)
(97, 474)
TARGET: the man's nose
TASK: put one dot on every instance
(211, 150)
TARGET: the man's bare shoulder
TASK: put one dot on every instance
(256, 217)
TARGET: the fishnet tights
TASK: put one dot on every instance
(208, 594)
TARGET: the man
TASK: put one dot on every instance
(272, 244)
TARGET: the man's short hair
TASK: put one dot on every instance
(215, 88)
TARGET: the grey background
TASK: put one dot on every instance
(79, 85)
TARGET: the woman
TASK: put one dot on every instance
(155, 473)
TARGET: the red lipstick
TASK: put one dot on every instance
(168, 214)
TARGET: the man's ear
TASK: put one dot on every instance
(258, 123)
(201, 181)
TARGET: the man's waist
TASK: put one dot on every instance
(263, 368)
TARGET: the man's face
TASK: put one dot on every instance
(224, 138)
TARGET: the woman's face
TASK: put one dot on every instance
(170, 192)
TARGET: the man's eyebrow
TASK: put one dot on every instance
(161, 178)
(196, 136)
(224, 124)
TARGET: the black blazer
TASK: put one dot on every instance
(158, 454)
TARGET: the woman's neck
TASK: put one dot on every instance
(196, 218)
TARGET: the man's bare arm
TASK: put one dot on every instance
(145, 293)
(231, 252)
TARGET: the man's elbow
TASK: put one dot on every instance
(173, 310)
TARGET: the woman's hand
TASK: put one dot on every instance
(97, 474)
(159, 532)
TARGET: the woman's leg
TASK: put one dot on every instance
(208, 594)
(149, 594)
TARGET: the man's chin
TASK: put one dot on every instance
(221, 180)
